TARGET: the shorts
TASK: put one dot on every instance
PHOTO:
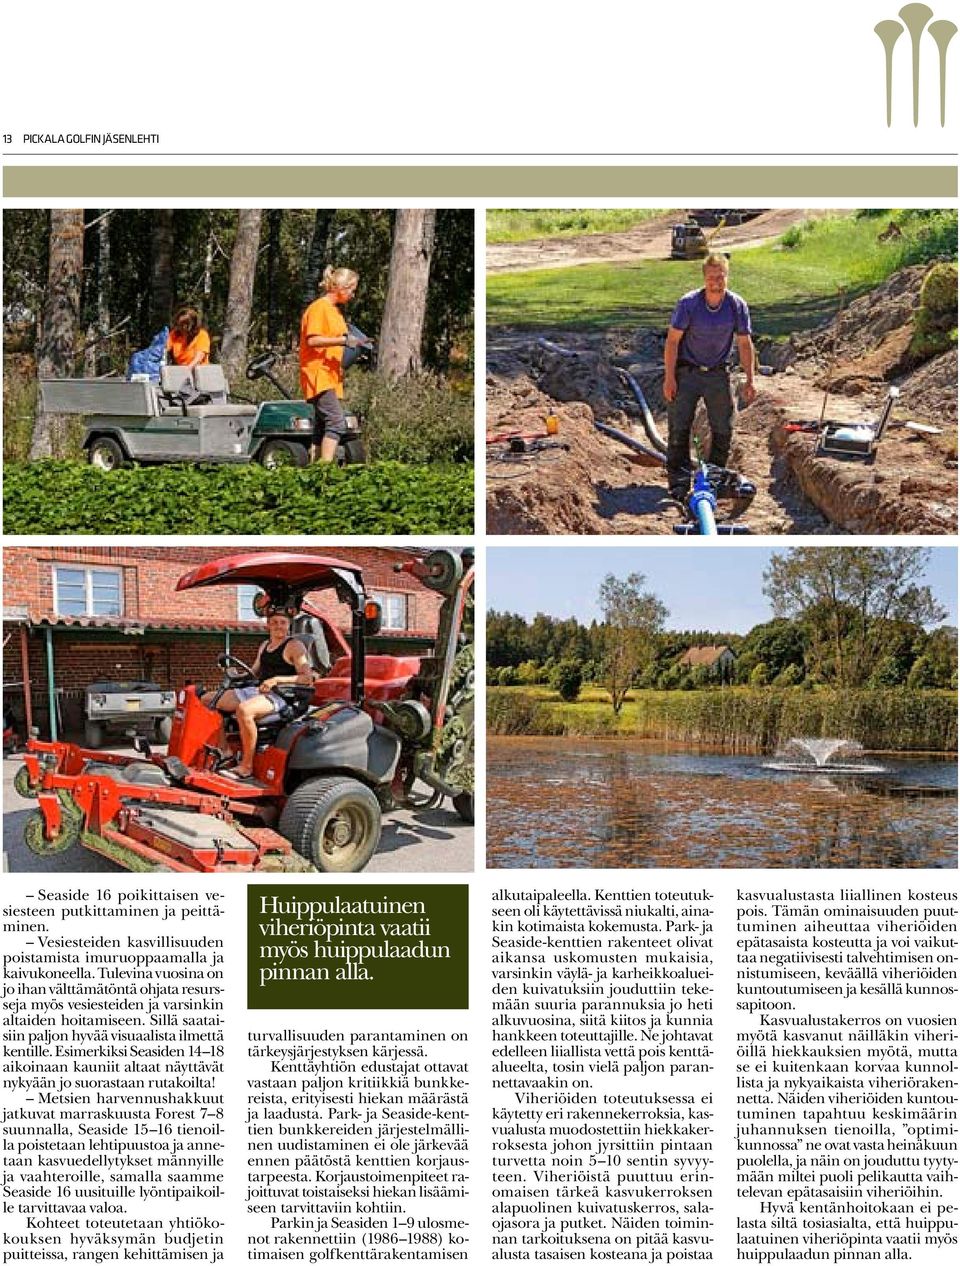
(328, 415)
(244, 693)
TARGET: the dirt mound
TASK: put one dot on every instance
(580, 488)
(868, 341)
(931, 391)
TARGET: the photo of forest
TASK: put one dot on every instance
(86, 288)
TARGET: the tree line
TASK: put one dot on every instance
(85, 287)
(849, 617)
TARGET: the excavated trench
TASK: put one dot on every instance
(594, 484)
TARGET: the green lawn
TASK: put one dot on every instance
(787, 289)
(525, 226)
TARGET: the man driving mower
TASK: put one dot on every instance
(281, 660)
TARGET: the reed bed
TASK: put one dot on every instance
(740, 719)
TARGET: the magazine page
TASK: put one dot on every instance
(412, 857)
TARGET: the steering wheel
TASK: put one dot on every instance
(245, 677)
(260, 365)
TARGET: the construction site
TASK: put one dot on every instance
(576, 416)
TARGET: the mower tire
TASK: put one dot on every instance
(70, 823)
(334, 822)
(276, 453)
(464, 805)
(93, 734)
(106, 454)
(351, 453)
(22, 784)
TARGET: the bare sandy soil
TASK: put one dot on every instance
(649, 240)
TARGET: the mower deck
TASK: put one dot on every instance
(180, 840)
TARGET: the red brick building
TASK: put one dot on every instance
(72, 615)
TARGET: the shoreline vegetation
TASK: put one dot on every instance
(736, 719)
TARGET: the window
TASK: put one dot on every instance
(245, 597)
(394, 609)
(87, 591)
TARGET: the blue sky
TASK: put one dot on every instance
(718, 587)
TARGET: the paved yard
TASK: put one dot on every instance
(414, 841)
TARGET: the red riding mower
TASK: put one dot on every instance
(325, 767)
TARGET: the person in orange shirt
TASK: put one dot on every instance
(323, 336)
(188, 343)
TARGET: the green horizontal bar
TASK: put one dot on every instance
(97, 183)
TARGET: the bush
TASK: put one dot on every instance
(760, 676)
(935, 322)
(529, 674)
(792, 675)
(566, 679)
(923, 673)
(930, 234)
(670, 678)
(69, 497)
(416, 419)
(512, 712)
(890, 671)
(795, 234)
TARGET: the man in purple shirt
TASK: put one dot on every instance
(702, 329)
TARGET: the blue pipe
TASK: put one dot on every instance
(703, 504)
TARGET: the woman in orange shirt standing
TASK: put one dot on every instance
(188, 343)
(323, 336)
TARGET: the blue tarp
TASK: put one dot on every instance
(149, 360)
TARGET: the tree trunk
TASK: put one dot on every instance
(316, 257)
(243, 269)
(90, 344)
(208, 269)
(161, 270)
(401, 333)
(103, 291)
(274, 219)
(61, 312)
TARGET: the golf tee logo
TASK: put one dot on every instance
(914, 19)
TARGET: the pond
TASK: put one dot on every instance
(613, 803)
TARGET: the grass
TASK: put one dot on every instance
(525, 226)
(738, 718)
(788, 289)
